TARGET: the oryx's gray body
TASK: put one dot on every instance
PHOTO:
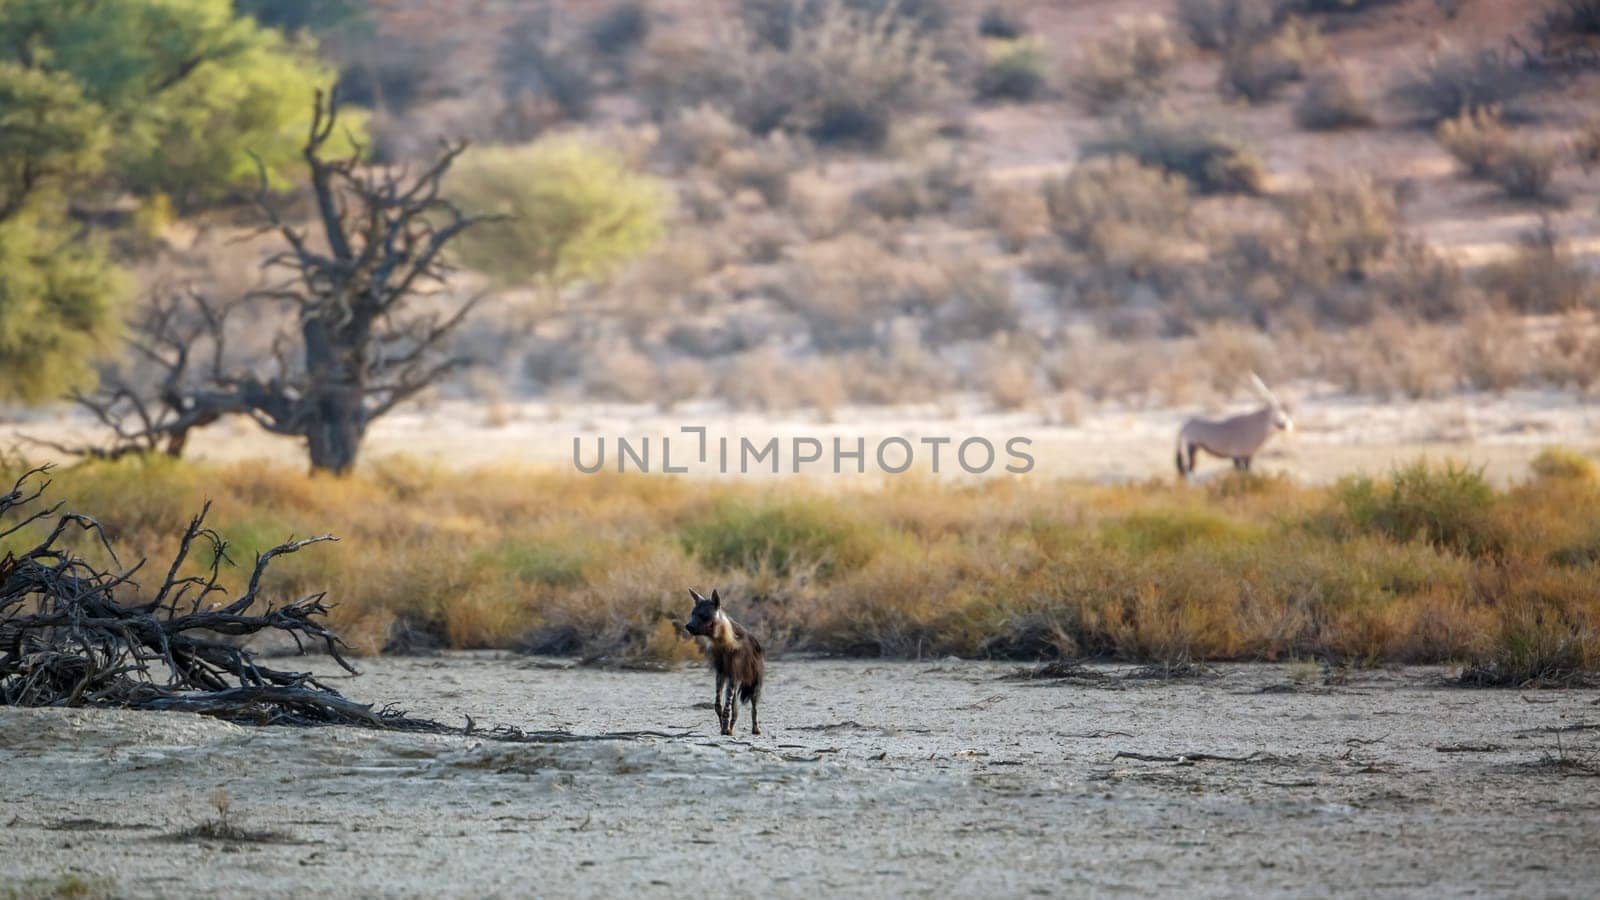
(1238, 438)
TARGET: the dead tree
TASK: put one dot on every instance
(369, 318)
(74, 632)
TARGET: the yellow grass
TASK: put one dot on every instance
(1428, 565)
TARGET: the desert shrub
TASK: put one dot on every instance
(1211, 158)
(1013, 70)
(1525, 171)
(1120, 212)
(1342, 6)
(1586, 145)
(1452, 82)
(779, 535)
(1423, 283)
(1542, 276)
(620, 29)
(1017, 214)
(1562, 464)
(1344, 226)
(1476, 139)
(931, 188)
(1447, 506)
(1334, 98)
(542, 70)
(1001, 24)
(1220, 24)
(575, 211)
(1570, 18)
(1132, 62)
(841, 77)
(1492, 353)
(1256, 72)
(973, 303)
(765, 169)
(1536, 644)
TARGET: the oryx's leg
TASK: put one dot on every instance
(1246, 462)
(1193, 449)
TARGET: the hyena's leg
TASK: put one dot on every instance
(733, 703)
(722, 715)
(755, 722)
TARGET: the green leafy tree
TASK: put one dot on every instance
(570, 212)
(191, 89)
(57, 308)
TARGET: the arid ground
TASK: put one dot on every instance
(910, 778)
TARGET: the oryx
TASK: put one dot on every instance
(1237, 437)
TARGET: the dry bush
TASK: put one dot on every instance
(1335, 98)
(1212, 158)
(1493, 353)
(1570, 19)
(1343, 227)
(1225, 350)
(1573, 359)
(1222, 24)
(1390, 357)
(1008, 382)
(933, 187)
(620, 372)
(1017, 69)
(1524, 170)
(1132, 62)
(1562, 464)
(1016, 214)
(1586, 145)
(1001, 24)
(699, 136)
(968, 301)
(1476, 139)
(1257, 71)
(1452, 82)
(1423, 283)
(846, 292)
(842, 78)
(619, 30)
(1121, 213)
(765, 169)
(1543, 276)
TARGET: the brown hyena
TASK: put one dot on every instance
(736, 656)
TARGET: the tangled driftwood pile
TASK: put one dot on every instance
(74, 632)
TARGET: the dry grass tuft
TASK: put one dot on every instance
(1133, 62)
(1334, 99)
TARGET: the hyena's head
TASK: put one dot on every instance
(703, 617)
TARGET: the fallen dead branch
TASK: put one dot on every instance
(1184, 759)
(74, 632)
(1469, 748)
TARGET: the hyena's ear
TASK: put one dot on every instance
(696, 595)
(716, 598)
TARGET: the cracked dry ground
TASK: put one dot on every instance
(874, 778)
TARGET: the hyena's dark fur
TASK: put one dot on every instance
(736, 657)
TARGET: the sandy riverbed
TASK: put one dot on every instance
(873, 778)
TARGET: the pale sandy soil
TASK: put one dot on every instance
(1334, 436)
(873, 779)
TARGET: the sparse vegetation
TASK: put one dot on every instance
(1224, 24)
(1454, 81)
(1210, 157)
(1130, 63)
(1335, 98)
(1431, 564)
(1015, 69)
(1486, 149)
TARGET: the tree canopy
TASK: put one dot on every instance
(175, 99)
(571, 211)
